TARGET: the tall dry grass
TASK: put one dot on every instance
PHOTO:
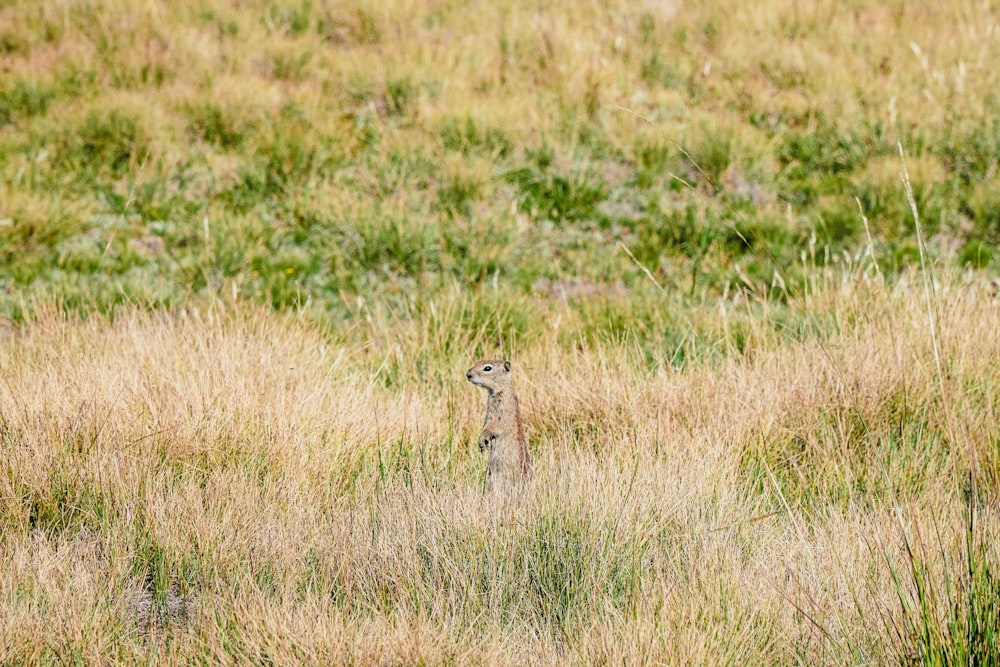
(231, 485)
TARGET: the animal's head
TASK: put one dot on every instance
(490, 373)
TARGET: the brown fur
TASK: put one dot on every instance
(503, 430)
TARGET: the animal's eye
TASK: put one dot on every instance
(487, 368)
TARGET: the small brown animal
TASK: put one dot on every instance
(502, 433)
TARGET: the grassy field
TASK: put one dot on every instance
(248, 250)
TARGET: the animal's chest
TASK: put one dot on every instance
(494, 413)
(491, 413)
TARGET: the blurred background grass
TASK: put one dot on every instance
(302, 154)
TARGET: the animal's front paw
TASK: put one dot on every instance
(484, 442)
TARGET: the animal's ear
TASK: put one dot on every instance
(506, 366)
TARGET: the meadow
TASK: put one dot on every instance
(742, 258)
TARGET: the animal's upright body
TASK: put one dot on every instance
(503, 432)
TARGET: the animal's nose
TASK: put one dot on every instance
(468, 375)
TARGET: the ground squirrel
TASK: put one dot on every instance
(502, 432)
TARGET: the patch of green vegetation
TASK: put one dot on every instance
(836, 223)
(955, 621)
(687, 228)
(903, 254)
(400, 94)
(143, 286)
(288, 18)
(457, 194)
(465, 135)
(658, 69)
(225, 24)
(548, 194)
(657, 165)
(983, 204)
(480, 248)
(975, 254)
(970, 145)
(24, 99)
(138, 76)
(32, 232)
(389, 244)
(107, 143)
(711, 152)
(226, 128)
(286, 157)
(818, 162)
(826, 148)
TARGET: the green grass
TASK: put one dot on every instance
(694, 171)
(952, 620)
